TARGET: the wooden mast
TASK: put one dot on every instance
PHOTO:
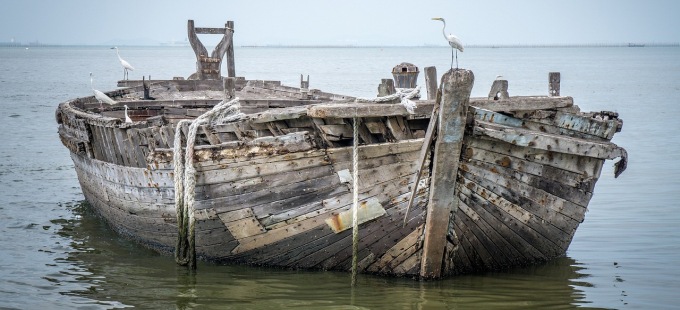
(209, 67)
(455, 88)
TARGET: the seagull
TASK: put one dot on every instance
(454, 42)
(127, 118)
(126, 65)
(100, 96)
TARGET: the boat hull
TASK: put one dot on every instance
(275, 188)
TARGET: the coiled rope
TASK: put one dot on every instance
(185, 176)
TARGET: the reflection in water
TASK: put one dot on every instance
(121, 273)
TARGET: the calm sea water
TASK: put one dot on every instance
(54, 253)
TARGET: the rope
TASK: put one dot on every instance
(403, 94)
(185, 177)
(355, 200)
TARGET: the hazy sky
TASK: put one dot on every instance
(344, 22)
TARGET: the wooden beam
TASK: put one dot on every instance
(516, 103)
(456, 86)
(523, 103)
(203, 30)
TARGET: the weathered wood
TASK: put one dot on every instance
(431, 82)
(523, 103)
(553, 122)
(231, 66)
(554, 84)
(269, 184)
(425, 150)
(550, 142)
(517, 103)
(499, 90)
(455, 88)
(386, 88)
(368, 210)
(209, 67)
(229, 88)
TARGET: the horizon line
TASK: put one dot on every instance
(517, 45)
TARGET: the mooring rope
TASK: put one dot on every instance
(355, 199)
(404, 94)
(185, 176)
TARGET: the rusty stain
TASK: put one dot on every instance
(469, 152)
(504, 162)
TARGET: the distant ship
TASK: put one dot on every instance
(635, 45)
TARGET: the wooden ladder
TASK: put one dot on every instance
(209, 67)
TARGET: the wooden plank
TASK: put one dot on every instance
(549, 142)
(558, 189)
(565, 177)
(368, 210)
(524, 103)
(510, 253)
(243, 227)
(398, 252)
(524, 220)
(399, 128)
(587, 166)
(350, 110)
(536, 195)
(456, 86)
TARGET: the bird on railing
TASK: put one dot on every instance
(127, 117)
(454, 42)
(100, 96)
(126, 65)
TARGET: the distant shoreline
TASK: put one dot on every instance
(585, 45)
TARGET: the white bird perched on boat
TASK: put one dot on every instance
(455, 43)
(100, 96)
(126, 65)
(127, 117)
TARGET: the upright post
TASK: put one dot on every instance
(554, 84)
(304, 84)
(431, 82)
(229, 88)
(455, 88)
(231, 67)
(499, 90)
(386, 88)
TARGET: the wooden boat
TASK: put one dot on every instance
(458, 185)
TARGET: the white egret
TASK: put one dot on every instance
(100, 96)
(455, 43)
(127, 118)
(126, 65)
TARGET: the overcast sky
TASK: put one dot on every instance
(344, 22)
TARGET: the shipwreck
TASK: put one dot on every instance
(226, 169)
